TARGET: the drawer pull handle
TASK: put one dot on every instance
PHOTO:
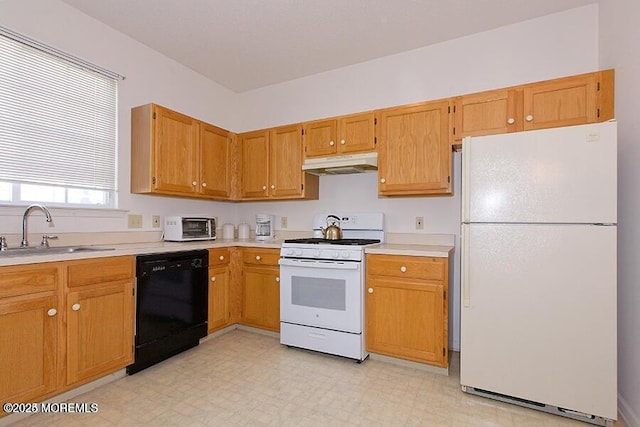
(221, 258)
(75, 307)
(370, 290)
(278, 279)
(511, 120)
(258, 257)
(403, 269)
(331, 143)
(382, 180)
(194, 183)
(204, 184)
(213, 279)
(529, 118)
(52, 312)
(342, 142)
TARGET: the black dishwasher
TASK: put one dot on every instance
(171, 305)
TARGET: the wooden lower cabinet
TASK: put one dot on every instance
(30, 321)
(406, 307)
(219, 289)
(261, 289)
(100, 316)
(63, 324)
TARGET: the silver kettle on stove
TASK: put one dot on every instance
(333, 231)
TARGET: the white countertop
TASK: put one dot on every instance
(438, 251)
(423, 245)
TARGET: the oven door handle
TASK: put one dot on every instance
(325, 265)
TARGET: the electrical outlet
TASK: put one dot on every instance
(135, 221)
(419, 223)
(283, 222)
(155, 221)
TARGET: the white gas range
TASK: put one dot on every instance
(322, 286)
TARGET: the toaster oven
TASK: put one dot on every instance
(180, 228)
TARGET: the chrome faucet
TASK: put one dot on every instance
(47, 214)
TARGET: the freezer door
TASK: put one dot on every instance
(561, 175)
(538, 315)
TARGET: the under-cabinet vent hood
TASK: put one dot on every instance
(342, 165)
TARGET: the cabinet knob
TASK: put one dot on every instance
(511, 120)
(204, 184)
(273, 187)
(529, 118)
(221, 257)
(264, 187)
(75, 307)
(342, 142)
(278, 279)
(213, 279)
(194, 183)
(403, 269)
(370, 290)
(52, 312)
(331, 143)
(258, 257)
(382, 180)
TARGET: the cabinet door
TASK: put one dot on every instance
(285, 166)
(488, 113)
(99, 329)
(28, 347)
(561, 102)
(215, 162)
(320, 138)
(255, 164)
(176, 152)
(414, 153)
(218, 298)
(357, 133)
(261, 297)
(405, 318)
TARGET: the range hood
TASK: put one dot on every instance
(342, 165)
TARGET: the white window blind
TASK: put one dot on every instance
(58, 118)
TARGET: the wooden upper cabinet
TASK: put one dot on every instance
(255, 164)
(354, 133)
(272, 165)
(175, 147)
(486, 113)
(216, 156)
(174, 154)
(285, 162)
(561, 102)
(320, 138)
(414, 152)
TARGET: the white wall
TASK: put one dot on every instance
(150, 77)
(529, 51)
(619, 49)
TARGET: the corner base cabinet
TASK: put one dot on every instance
(407, 308)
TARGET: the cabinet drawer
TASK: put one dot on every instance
(406, 266)
(219, 256)
(28, 279)
(99, 270)
(260, 256)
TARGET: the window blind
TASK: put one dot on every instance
(58, 118)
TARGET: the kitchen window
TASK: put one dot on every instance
(58, 126)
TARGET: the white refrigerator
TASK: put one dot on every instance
(538, 309)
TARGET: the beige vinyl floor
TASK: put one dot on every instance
(243, 378)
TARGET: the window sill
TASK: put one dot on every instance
(65, 211)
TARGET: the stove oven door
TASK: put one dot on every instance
(320, 293)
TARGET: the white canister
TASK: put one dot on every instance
(228, 231)
(243, 231)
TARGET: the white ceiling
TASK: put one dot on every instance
(247, 44)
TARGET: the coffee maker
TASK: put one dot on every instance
(265, 227)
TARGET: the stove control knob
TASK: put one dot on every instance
(316, 254)
(289, 252)
(298, 252)
(335, 254)
(345, 254)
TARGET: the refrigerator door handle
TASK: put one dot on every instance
(466, 164)
(464, 271)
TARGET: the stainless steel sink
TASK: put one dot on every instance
(38, 250)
